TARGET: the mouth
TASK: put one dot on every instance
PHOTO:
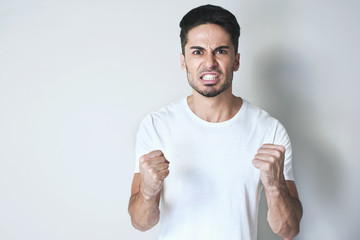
(210, 78)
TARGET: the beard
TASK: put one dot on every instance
(209, 90)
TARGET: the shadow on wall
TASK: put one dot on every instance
(287, 91)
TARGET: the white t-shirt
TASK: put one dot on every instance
(213, 189)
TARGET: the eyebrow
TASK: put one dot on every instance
(216, 49)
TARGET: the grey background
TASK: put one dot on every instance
(76, 78)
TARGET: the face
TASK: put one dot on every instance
(209, 60)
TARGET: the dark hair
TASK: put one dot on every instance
(210, 14)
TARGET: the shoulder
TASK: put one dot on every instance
(258, 116)
(165, 114)
(262, 122)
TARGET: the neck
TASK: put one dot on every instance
(215, 109)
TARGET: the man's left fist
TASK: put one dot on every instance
(270, 161)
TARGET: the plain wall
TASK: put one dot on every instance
(76, 78)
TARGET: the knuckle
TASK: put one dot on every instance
(282, 148)
(145, 165)
(152, 171)
(272, 159)
(162, 166)
(255, 162)
(157, 152)
(267, 165)
(277, 154)
(142, 158)
(153, 152)
(156, 177)
(165, 174)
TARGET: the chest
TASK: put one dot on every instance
(212, 160)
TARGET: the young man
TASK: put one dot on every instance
(203, 160)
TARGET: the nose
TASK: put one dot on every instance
(210, 61)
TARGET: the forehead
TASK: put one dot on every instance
(208, 35)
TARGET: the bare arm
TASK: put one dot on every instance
(284, 210)
(144, 211)
(284, 207)
(145, 190)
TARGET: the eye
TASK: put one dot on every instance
(197, 52)
(221, 51)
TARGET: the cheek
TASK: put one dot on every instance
(190, 76)
(229, 66)
(191, 67)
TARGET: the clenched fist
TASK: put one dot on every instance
(154, 168)
(270, 160)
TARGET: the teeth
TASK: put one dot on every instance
(209, 77)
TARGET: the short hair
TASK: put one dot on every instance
(210, 14)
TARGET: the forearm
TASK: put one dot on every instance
(144, 212)
(284, 212)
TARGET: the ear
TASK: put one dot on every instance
(237, 62)
(182, 61)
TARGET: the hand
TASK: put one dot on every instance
(270, 160)
(154, 168)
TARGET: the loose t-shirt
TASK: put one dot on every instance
(213, 189)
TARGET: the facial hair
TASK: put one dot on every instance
(209, 91)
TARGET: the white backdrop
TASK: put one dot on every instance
(76, 78)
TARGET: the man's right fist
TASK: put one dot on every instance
(154, 168)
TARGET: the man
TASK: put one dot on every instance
(203, 160)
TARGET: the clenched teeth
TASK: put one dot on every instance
(209, 77)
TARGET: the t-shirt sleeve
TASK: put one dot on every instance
(282, 138)
(146, 140)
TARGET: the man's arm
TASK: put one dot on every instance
(144, 211)
(284, 210)
(284, 207)
(145, 190)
